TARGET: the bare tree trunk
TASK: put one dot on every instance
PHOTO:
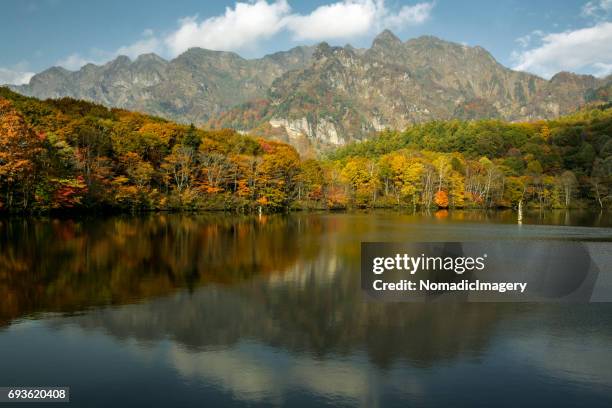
(598, 196)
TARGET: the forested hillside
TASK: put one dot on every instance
(559, 163)
(73, 155)
(68, 154)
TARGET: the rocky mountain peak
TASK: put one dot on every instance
(386, 39)
(55, 71)
(428, 40)
(197, 56)
(322, 50)
(565, 76)
(325, 52)
(431, 46)
(149, 58)
(121, 60)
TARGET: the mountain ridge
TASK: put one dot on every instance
(188, 88)
(324, 95)
(346, 95)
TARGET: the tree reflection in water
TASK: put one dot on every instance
(260, 306)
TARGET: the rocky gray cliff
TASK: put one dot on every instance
(346, 94)
(193, 87)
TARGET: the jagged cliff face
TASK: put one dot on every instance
(191, 88)
(323, 96)
(346, 94)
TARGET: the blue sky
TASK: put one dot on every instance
(542, 37)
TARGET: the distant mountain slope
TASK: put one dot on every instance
(190, 88)
(324, 96)
(346, 94)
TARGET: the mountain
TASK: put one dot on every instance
(324, 96)
(603, 93)
(346, 94)
(190, 88)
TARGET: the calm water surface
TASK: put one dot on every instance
(226, 310)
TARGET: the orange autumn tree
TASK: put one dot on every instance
(441, 199)
(19, 147)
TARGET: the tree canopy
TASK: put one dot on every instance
(69, 154)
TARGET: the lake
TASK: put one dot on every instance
(234, 310)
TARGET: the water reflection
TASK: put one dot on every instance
(336, 322)
(268, 310)
(67, 265)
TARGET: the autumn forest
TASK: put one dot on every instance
(67, 154)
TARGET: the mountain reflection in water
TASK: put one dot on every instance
(268, 310)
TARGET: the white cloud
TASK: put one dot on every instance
(602, 69)
(14, 77)
(583, 50)
(246, 24)
(338, 20)
(353, 18)
(75, 61)
(240, 27)
(409, 15)
(526, 40)
(597, 9)
(149, 43)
